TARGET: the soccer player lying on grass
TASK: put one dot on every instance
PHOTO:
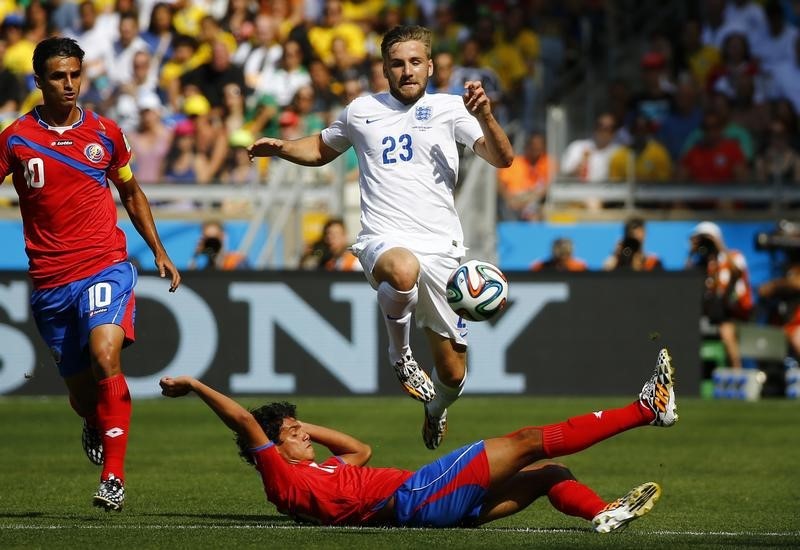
(475, 484)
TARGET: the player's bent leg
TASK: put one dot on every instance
(516, 492)
(636, 503)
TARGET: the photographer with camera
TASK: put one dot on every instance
(629, 252)
(211, 252)
(781, 296)
(727, 295)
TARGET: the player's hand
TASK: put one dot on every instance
(175, 387)
(475, 99)
(165, 266)
(265, 147)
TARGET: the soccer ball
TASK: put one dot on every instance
(477, 290)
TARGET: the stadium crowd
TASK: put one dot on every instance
(714, 98)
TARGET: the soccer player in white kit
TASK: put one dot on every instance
(411, 238)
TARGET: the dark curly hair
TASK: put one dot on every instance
(54, 47)
(270, 418)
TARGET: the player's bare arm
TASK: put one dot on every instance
(135, 202)
(307, 151)
(494, 146)
(236, 417)
(345, 446)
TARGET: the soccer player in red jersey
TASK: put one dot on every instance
(475, 484)
(62, 159)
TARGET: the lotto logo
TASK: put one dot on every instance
(115, 432)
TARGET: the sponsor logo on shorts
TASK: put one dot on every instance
(97, 311)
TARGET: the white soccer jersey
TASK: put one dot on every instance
(408, 163)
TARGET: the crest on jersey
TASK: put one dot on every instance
(423, 113)
(93, 152)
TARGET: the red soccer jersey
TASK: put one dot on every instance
(61, 177)
(331, 493)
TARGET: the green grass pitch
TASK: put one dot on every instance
(730, 473)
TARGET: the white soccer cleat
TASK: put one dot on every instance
(434, 429)
(618, 514)
(415, 381)
(658, 393)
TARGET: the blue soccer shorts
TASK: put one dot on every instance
(65, 315)
(447, 493)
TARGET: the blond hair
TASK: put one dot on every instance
(406, 33)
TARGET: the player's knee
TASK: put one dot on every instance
(450, 374)
(556, 472)
(527, 438)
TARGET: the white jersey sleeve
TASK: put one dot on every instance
(408, 165)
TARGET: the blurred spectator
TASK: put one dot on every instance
(778, 163)
(654, 101)
(298, 119)
(715, 26)
(448, 34)
(561, 258)
(187, 18)
(377, 79)
(211, 78)
(11, 90)
(720, 105)
(783, 293)
(238, 168)
(331, 252)
(183, 61)
(121, 104)
(786, 79)
(523, 185)
(183, 164)
(331, 26)
(239, 19)
(160, 33)
(748, 16)
(210, 139)
(119, 58)
(737, 63)
(441, 82)
(95, 40)
(37, 21)
(325, 98)
(212, 253)
(344, 65)
(211, 35)
(233, 108)
(727, 296)
(19, 49)
(511, 68)
(589, 159)
(472, 68)
(290, 75)
(776, 46)
(715, 158)
(697, 57)
(644, 160)
(630, 251)
(150, 141)
(685, 117)
(261, 53)
(64, 15)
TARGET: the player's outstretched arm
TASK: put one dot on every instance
(135, 202)
(345, 446)
(307, 151)
(236, 417)
(494, 147)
